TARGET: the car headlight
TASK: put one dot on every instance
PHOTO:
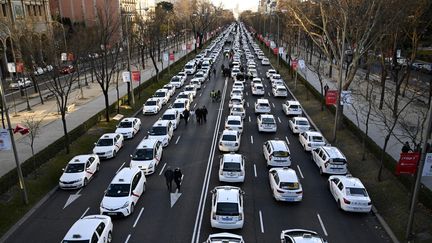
(150, 166)
(125, 205)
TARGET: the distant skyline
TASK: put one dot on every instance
(242, 4)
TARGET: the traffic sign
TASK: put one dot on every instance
(126, 76)
(301, 64)
(275, 50)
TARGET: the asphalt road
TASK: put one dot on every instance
(194, 150)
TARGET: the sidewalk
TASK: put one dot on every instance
(412, 115)
(51, 127)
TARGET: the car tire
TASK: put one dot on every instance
(97, 167)
(321, 171)
(85, 182)
(132, 208)
(109, 238)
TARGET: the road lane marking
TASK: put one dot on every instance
(120, 168)
(127, 238)
(247, 93)
(261, 222)
(249, 119)
(194, 105)
(286, 138)
(268, 93)
(204, 191)
(300, 172)
(251, 139)
(322, 225)
(273, 105)
(247, 103)
(163, 167)
(178, 138)
(255, 171)
(265, 85)
(279, 120)
(139, 216)
(200, 94)
(82, 215)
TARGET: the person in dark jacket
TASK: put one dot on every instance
(178, 175)
(198, 114)
(169, 176)
(406, 148)
(204, 113)
(186, 115)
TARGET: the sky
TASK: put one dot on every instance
(243, 4)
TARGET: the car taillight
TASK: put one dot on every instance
(220, 172)
(309, 145)
(220, 143)
(241, 173)
(346, 201)
(295, 127)
(236, 144)
(240, 217)
(299, 192)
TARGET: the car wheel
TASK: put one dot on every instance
(97, 167)
(339, 205)
(85, 182)
(321, 170)
(114, 153)
(109, 238)
(132, 207)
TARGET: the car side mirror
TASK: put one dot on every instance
(63, 169)
(213, 191)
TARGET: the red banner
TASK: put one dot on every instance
(171, 56)
(407, 163)
(267, 43)
(275, 50)
(331, 97)
(19, 67)
(188, 46)
(294, 64)
(136, 76)
(70, 56)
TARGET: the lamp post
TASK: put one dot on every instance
(129, 84)
(278, 32)
(348, 59)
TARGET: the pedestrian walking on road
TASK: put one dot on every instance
(406, 148)
(192, 115)
(326, 88)
(204, 113)
(169, 176)
(214, 72)
(178, 176)
(198, 113)
(186, 115)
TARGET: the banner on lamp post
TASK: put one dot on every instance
(427, 168)
(188, 46)
(5, 142)
(63, 57)
(294, 64)
(301, 64)
(281, 50)
(407, 163)
(331, 97)
(11, 67)
(275, 50)
(171, 56)
(183, 47)
(346, 97)
(165, 57)
(136, 76)
(126, 77)
(20, 67)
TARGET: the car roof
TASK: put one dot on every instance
(237, 106)
(227, 193)
(237, 97)
(128, 119)
(147, 143)
(161, 123)
(333, 152)
(314, 133)
(232, 157)
(280, 87)
(152, 99)
(84, 228)
(220, 237)
(279, 145)
(125, 175)
(181, 100)
(162, 90)
(349, 181)
(170, 111)
(267, 116)
(234, 117)
(271, 70)
(262, 101)
(229, 132)
(286, 174)
(303, 236)
(79, 159)
(293, 102)
(300, 118)
(109, 135)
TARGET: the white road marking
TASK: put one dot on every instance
(247, 103)
(178, 138)
(249, 119)
(139, 215)
(300, 172)
(82, 216)
(261, 222)
(279, 120)
(120, 167)
(322, 225)
(194, 105)
(163, 167)
(251, 139)
(265, 85)
(255, 171)
(286, 138)
(273, 104)
(268, 93)
(127, 238)
(247, 93)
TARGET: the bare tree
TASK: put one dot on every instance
(33, 123)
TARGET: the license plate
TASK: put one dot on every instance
(111, 213)
(227, 219)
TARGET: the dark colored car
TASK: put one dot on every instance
(67, 69)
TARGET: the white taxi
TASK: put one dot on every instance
(275, 77)
(163, 95)
(234, 123)
(270, 73)
(266, 123)
(180, 105)
(349, 193)
(171, 89)
(177, 81)
(147, 155)
(91, 228)
(79, 171)
(227, 208)
(229, 141)
(232, 168)
(292, 108)
(128, 127)
(285, 185)
(310, 140)
(258, 89)
(152, 106)
(300, 235)
(280, 91)
(224, 238)
(173, 116)
(236, 100)
(108, 145)
(123, 192)
(238, 110)
(262, 106)
(190, 89)
(163, 131)
(196, 83)
(239, 85)
(299, 124)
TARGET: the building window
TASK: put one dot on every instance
(40, 10)
(4, 10)
(28, 10)
(34, 10)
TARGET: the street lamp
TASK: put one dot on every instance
(278, 33)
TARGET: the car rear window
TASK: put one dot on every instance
(227, 208)
(178, 105)
(268, 121)
(234, 122)
(150, 103)
(304, 123)
(354, 191)
(143, 154)
(229, 138)
(317, 139)
(229, 166)
(168, 117)
(289, 185)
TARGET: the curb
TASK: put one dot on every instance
(27, 215)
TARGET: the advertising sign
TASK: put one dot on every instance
(5, 142)
(136, 76)
(281, 50)
(11, 67)
(63, 56)
(126, 76)
(165, 57)
(331, 97)
(171, 56)
(272, 44)
(407, 163)
(183, 47)
(302, 64)
(188, 46)
(19, 67)
(294, 64)
(346, 97)
(275, 50)
(427, 169)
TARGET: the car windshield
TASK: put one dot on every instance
(158, 131)
(183, 96)
(280, 153)
(175, 79)
(126, 124)
(150, 103)
(168, 117)
(235, 101)
(355, 191)
(264, 105)
(178, 105)
(303, 123)
(188, 66)
(159, 94)
(118, 190)
(199, 75)
(226, 208)
(229, 166)
(189, 88)
(234, 122)
(74, 168)
(281, 89)
(317, 139)
(268, 121)
(289, 185)
(228, 137)
(294, 107)
(105, 142)
(239, 109)
(76, 241)
(143, 154)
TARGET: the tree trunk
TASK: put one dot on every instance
(105, 93)
(154, 64)
(117, 92)
(383, 84)
(396, 94)
(66, 134)
(382, 156)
